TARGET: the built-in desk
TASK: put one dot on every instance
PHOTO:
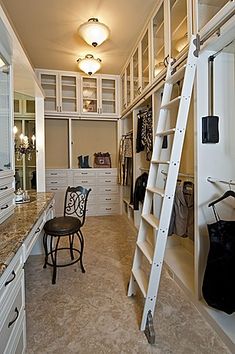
(18, 235)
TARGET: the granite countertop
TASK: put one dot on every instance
(16, 228)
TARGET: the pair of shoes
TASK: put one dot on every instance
(83, 162)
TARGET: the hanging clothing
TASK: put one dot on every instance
(218, 284)
(125, 160)
(139, 190)
(182, 217)
(144, 138)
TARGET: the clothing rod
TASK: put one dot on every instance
(217, 180)
(179, 174)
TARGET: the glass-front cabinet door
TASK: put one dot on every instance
(178, 26)
(123, 91)
(207, 9)
(158, 41)
(108, 96)
(5, 118)
(69, 95)
(145, 60)
(49, 84)
(90, 95)
(128, 84)
(136, 82)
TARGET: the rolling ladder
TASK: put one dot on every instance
(157, 219)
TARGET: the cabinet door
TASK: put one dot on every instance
(136, 77)
(179, 30)
(49, 83)
(123, 91)
(145, 60)
(108, 100)
(68, 93)
(89, 94)
(207, 9)
(6, 120)
(159, 52)
(128, 84)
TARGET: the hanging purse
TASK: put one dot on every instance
(102, 160)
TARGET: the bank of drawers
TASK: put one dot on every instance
(12, 307)
(7, 203)
(104, 196)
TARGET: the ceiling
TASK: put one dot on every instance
(48, 30)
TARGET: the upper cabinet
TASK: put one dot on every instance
(61, 92)
(136, 76)
(158, 40)
(24, 107)
(99, 96)
(145, 61)
(205, 10)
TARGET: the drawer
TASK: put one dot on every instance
(109, 209)
(107, 172)
(6, 203)
(32, 238)
(107, 180)
(85, 181)
(10, 276)
(56, 181)
(91, 209)
(56, 173)
(6, 186)
(108, 198)
(112, 189)
(84, 172)
(17, 342)
(12, 313)
(55, 189)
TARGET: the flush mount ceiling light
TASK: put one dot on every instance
(89, 64)
(94, 32)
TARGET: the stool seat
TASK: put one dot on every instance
(62, 226)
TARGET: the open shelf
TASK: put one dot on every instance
(181, 263)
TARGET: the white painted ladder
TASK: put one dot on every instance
(150, 253)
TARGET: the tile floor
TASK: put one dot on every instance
(91, 314)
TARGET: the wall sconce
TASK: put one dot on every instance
(89, 64)
(24, 147)
(94, 32)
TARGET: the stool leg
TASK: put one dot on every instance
(71, 238)
(54, 259)
(45, 249)
(79, 233)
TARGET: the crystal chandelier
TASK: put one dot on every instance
(24, 147)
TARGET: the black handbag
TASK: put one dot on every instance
(218, 284)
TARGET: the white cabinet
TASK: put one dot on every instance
(24, 107)
(61, 91)
(99, 95)
(12, 307)
(104, 197)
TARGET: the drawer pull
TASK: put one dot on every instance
(54, 182)
(37, 231)
(17, 315)
(5, 207)
(107, 173)
(54, 174)
(108, 208)
(84, 173)
(54, 189)
(108, 199)
(84, 181)
(13, 277)
(107, 190)
(107, 181)
(3, 188)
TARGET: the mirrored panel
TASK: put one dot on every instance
(25, 142)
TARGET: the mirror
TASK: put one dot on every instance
(24, 138)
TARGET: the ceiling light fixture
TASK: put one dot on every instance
(89, 64)
(94, 32)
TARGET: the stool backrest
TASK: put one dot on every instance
(75, 202)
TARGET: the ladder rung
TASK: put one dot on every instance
(166, 132)
(147, 250)
(155, 190)
(151, 220)
(177, 76)
(161, 162)
(141, 280)
(172, 103)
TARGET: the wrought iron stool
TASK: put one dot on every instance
(68, 226)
